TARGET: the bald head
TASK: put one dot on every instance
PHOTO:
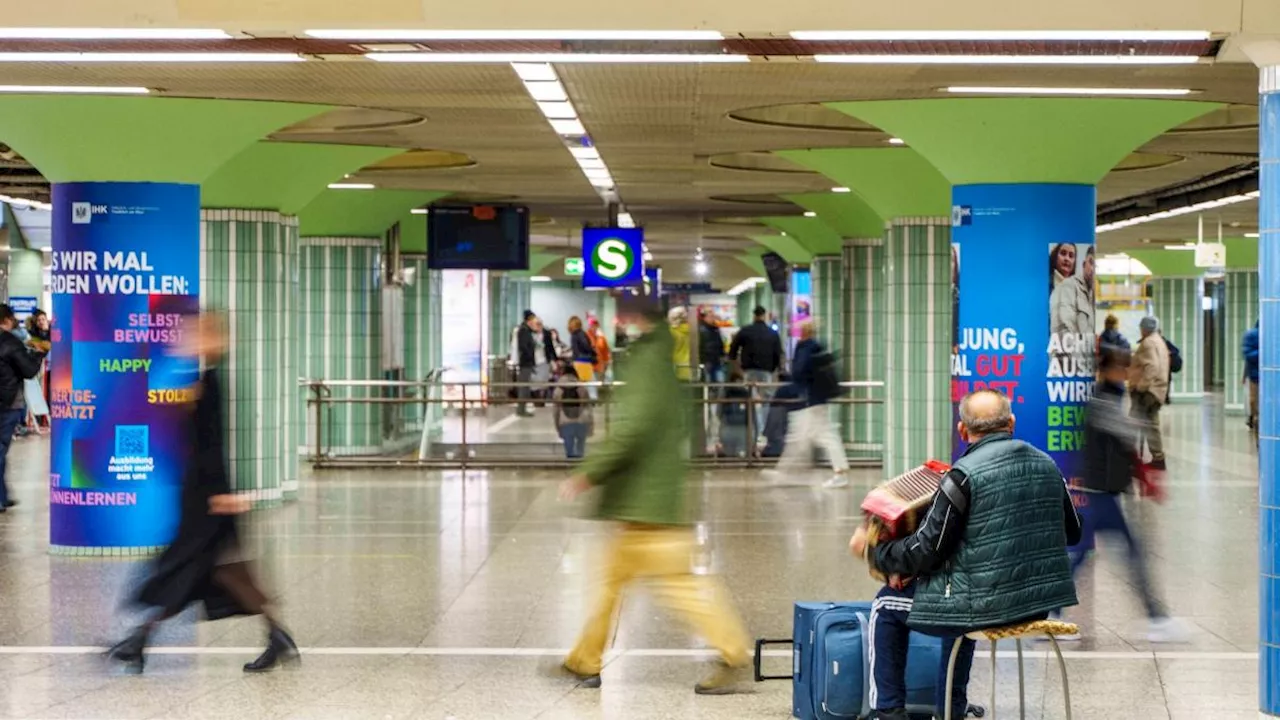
(983, 412)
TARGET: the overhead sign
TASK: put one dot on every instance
(573, 266)
(688, 288)
(613, 257)
(1211, 255)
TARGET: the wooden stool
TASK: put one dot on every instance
(1050, 629)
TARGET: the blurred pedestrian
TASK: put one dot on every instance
(1250, 350)
(571, 412)
(681, 357)
(205, 563)
(1110, 466)
(641, 470)
(1111, 337)
(814, 375)
(584, 353)
(757, 350)
(18, 363)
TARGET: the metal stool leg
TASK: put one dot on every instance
(994, 644)
(1022, 691)
(1062, 666)
(951, 677)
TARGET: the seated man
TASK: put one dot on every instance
(991, 552)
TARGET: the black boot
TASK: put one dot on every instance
(128, 652)
(280, 648)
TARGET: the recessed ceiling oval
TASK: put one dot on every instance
(803, 116)
(756, 161)
(421, 159)
(349, 120)
(1232, 118)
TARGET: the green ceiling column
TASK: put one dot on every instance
(249, 249)
(1240, 311)
(809, 233)
(126, 149)
(863, 352)
(888, 286)
(1023, 172)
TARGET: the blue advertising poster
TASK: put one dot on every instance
(125, 271)
(1023, 278)
(612, 257)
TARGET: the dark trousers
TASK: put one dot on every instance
(9, 421)
(574, 436)
(1101, 513)
(890, 638)
(524, 375)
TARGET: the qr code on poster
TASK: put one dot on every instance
(133, 441)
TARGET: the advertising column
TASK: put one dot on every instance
(125, 271)
(1023, 267)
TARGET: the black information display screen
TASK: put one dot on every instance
(478, 237)
(777, 270)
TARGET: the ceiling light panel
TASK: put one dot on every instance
(535, 72)
(1175, 212)
(568, 127)
(75, 89)
(551, 91)
(1004, 35)
(994, 90)
(351, 186)
(1009, 59)
(410, 34)
(582, 58)
(112, 34)
(148, 57)
(558, 110)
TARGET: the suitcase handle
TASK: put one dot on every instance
(760, 645)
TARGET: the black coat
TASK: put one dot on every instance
(17, 363)
(583, 349)
(757, 347)
(183, 574)
(710, 346)
(1110, 436)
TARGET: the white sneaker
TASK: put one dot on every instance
(1168, 630)
(836, 482)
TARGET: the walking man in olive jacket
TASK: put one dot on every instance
(640, 471)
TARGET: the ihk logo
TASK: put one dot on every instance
(82, 212)
(613, 259)
(961, 215)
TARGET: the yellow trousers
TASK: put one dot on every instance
(661, 558)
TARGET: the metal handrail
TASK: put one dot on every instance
(708, 396)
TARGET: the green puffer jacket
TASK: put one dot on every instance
(641, 466)
(1012, 563)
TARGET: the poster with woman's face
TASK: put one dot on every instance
(1071, 306)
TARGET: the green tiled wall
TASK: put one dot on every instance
(917, 343)
(340, 288)
(509, 297)
(1218, 292)
(746, 304)
(1240, 312)
(1178, 304)
(248, 260)
(422, 331)
(864, 351)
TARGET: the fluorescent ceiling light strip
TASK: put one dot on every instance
(351, 186)
(535, 72)
(625, 220)
(419, 211)
(539, 278)
(1252, 235)
(551, 91)
(810, 213)
(992, 90)
(597, 173)
(568, 127)
(653, 58)
(590, 163)
(1175, 212)
(585, 153)
(8, 33)
(147, 57)
(897, 141)
(1179, 247)
(410, 34)
(75, 89)
(25, 202)
(1009, 59)
(562, 110)
(840, 190)
(1001, 35)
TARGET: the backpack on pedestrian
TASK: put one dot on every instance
(1175, 356)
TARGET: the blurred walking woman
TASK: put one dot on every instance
(205, 563)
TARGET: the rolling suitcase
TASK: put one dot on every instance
(830, 664)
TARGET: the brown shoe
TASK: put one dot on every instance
(724, 680)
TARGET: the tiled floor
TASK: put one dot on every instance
(431, 595)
